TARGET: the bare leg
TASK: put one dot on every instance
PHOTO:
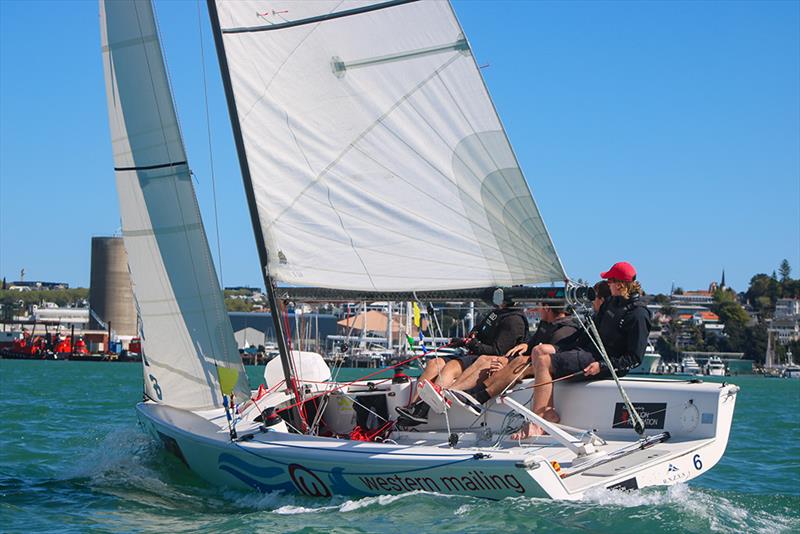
(543, 398)
(477, 372)
(451, 371)
(509, 374)
(432, 369)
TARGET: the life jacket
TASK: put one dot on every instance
(613, 317)
(563, 330)
(486, 331)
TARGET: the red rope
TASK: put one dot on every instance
(383, 370)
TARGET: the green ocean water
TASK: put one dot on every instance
(73, 459)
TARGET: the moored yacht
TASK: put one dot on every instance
(715, 366)
(689, 367)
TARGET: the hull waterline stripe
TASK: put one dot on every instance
(151, 167)
(319, 18)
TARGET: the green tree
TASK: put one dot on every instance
(785, 270)
(238, 305)
(763, 293)
(755, 343)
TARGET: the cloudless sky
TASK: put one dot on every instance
(666, 134)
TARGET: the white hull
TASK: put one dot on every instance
(697, 416)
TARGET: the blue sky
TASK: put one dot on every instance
(663, 133)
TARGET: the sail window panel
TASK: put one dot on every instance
(376, 130)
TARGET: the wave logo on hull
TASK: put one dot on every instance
(307, 482)
(264, 479)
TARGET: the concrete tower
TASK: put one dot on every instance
(110, 294)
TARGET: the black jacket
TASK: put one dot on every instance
(498, 332)
(563, 333)
(624, 325)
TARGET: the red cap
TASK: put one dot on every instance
(622, 271)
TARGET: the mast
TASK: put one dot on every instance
(280, 335)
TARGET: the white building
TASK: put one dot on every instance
(787, 308)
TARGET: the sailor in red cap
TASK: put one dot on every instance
(623, 323)
(621, 271)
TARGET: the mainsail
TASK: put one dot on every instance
(377, 159)
(186, 334)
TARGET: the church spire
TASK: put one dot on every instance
(722, 282)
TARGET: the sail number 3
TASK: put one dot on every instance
(156, 387)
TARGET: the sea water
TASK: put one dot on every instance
(73, 459)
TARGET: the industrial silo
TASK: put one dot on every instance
(110, 294)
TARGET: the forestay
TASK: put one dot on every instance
(377, 159)
(186, 333)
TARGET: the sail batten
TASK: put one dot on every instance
(376, 157)
(186, 335)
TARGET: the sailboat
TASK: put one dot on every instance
(375, 168)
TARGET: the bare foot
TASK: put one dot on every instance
(528, 430)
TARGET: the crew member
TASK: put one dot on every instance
(503, 328)
(624, 324)
(556, 327)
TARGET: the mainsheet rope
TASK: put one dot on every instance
(346, 384)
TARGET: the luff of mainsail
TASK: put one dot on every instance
(287, 362)
(186, 333)
(377, 159)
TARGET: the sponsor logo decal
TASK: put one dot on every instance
(674, 474)
(307, 482)
(653, 414)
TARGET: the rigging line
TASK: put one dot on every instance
(598, 343)
(383, 370)
(210, 149)
(199, 366)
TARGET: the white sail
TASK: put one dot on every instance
(186, 333)
(377, 159)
